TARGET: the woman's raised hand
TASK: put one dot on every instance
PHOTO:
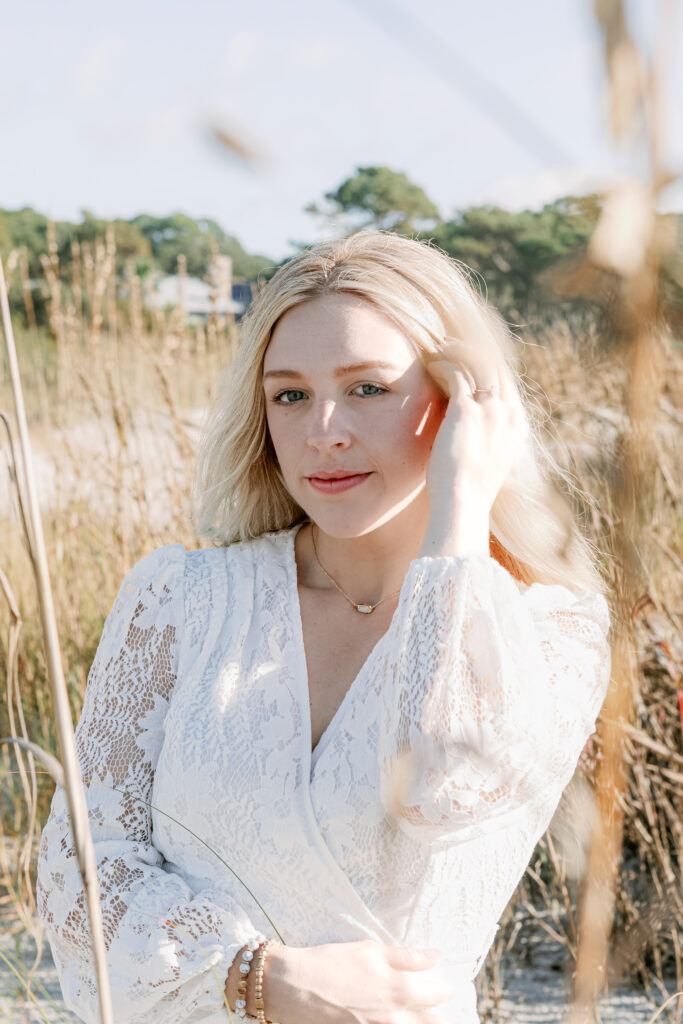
(475, 447)
(364, 982)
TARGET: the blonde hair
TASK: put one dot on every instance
(239, 490)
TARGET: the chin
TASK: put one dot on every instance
(344, 526)
(346, 523)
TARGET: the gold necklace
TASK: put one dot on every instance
(364, 609)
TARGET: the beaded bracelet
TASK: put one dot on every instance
(245, 967)
(258, 1001)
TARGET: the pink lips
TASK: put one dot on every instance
(336, 484)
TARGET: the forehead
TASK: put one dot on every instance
(336, 329)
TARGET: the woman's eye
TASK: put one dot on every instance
(291, 396)
(288, 397)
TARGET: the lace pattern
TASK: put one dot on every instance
(492, 693)
(412, 824)
(162, 938)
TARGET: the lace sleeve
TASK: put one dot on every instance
(489, 695)
(161, 937)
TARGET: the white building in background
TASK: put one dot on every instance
(195, 296)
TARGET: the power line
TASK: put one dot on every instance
(512, 118)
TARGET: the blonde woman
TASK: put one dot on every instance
(345, 726)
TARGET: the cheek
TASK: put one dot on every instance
(285, 444)
(276, 439)
(419, 429)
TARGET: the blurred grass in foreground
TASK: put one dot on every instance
(115, 423)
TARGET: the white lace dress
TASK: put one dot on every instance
(209, 812)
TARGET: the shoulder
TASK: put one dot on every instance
(569, 609)
(221, 580)
(155, 580)
(158, 566)
(241, 556)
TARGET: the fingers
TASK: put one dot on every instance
(406, 958)
(423, 989)
(479, 367)
(481, 361)
(415, 981)
(455, 381)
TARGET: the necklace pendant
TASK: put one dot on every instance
(365, 608)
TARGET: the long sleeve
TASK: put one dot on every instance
(490, 691)
(161, 937)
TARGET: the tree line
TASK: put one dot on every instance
(526, 261)
(152, 243)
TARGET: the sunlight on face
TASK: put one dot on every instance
(346, 396)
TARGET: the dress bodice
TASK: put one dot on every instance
(412, 822)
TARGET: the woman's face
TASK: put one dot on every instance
(352, 413)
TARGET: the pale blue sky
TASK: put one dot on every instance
(102, 105)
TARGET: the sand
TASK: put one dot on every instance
(534, 991)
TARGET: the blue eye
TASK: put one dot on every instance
(291, 396)
(279, 398)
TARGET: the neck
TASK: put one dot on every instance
(368, 567)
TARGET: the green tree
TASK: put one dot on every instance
(177, 233)
(130, 241)
(27, 227)
(5, 236)
(512, 250)
(377, 197)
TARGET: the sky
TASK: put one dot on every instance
(105, 106)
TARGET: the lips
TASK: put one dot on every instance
(335, 483)
(338, 474)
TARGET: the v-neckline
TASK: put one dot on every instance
(313, 756)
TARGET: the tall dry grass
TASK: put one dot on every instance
(112, 415)
(114, 410)
(585, 388)
(113, 397)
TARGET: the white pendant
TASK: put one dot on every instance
(364, 608)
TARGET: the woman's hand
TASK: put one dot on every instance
(474, 450)
(361, 982)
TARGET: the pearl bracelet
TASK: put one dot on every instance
(259, 946)
(245, 967)
(258, 1000)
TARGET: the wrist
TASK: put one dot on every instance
(233, 979)
(456, 532)
(279, 983)
(239, 985)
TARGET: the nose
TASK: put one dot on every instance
(327, 427)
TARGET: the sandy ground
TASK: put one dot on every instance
(81, 461)
(535, 991)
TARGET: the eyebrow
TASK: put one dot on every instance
(341, 371)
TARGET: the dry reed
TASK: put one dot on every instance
(75, 793)
(120, 431)
(133, 450)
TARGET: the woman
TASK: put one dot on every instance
(347, 725)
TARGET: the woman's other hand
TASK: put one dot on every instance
(476, 446)
(363, 982)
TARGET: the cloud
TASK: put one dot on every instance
(248, 49)
(316, 54)
(98, 64)
(531, 192)
(240, 51)
(144, 134)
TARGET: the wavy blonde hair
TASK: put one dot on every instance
(239, 490)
